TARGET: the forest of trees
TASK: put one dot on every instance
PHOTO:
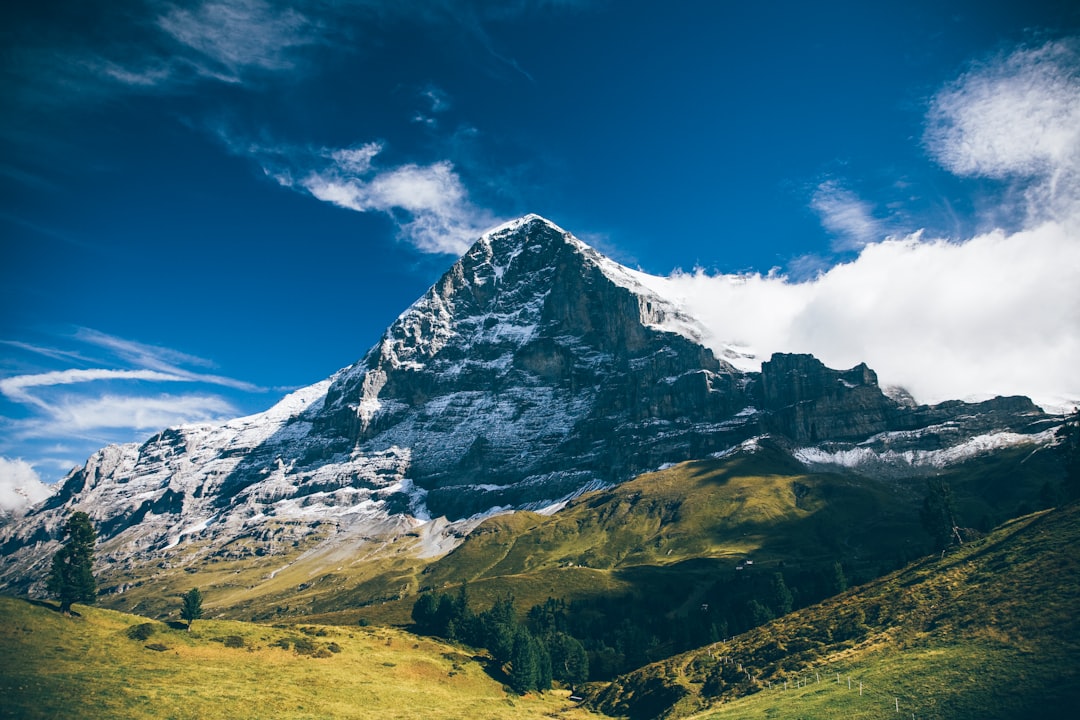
(600, 638)
(537, 651)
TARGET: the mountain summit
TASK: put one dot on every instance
(535, 369)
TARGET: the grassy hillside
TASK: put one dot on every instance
(676, 533)
(991, 630)
(89, 666)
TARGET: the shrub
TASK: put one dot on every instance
(141, 632)
(303, 646)
(157, 647)
(234, 641)
(334, 647)
(322, 653)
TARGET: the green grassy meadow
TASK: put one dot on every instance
(87, 666)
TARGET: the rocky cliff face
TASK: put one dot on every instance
(533, 370)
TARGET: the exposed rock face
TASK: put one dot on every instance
(809, 402)
(533, 370)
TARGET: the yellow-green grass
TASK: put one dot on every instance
(53, 666)
(682, 525)
(991, 630)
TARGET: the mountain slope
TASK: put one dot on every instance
(534, 370)
(988, 631)
(92, 666)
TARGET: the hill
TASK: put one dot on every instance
(990, 630)
(98, 665)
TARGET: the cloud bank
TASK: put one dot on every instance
(994, 314)
(20, 487)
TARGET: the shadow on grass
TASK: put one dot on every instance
(54, 607)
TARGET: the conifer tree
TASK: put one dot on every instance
(191, 610)
(1070, 440)
(524, 663)
(780, 599)
(71, 577)
(938, 513)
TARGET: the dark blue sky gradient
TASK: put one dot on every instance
(671, 135)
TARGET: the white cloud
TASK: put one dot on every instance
(166, 360)
(230, 38)
(15, 388)
(846, 216)
(1017, 117)
(81, 409)
(998, 313)
(429, 203)
(140, 413)
(20, 487)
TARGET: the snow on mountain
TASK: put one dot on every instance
(534, 370)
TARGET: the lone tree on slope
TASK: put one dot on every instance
(938, 514)
(71, 577)
(191, 610)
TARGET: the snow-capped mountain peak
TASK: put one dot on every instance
(533, 370)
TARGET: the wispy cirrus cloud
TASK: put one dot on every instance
(226, 40)
(136, 412)
(18, 388)
(56, 417)
(846, 216)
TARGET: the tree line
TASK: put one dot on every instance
(600, 638)
(536, 651)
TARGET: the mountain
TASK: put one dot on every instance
(533, 371)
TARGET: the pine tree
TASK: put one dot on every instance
(938, 513)
(780, 599)
(569, 661)
(838, 582)
(191, 610)
(71, 578)
(1070, 440)
(524, 663)
(424, 612)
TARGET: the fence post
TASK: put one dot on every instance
(897, 704)
(860, 689)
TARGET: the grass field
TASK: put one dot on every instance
(991, 630)
(87, 666)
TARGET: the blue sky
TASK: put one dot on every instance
(206, 204)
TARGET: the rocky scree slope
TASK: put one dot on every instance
(534, 370)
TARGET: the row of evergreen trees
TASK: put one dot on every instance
(537, 652)
(599, 638)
